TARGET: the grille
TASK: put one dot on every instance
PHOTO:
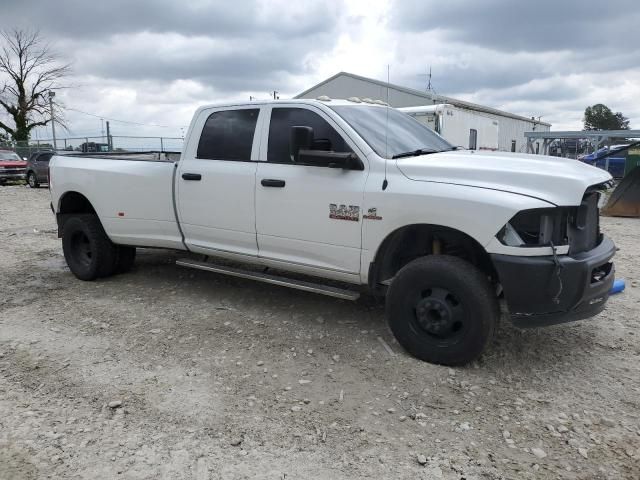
(11, 170)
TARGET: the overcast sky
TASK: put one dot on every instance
(154, 62)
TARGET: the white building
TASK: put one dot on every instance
(510, 127)
(460, 127)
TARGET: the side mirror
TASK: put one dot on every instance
(301, 138)
(321, 158)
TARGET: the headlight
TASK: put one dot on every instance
(537, 227)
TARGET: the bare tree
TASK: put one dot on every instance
(28, 71)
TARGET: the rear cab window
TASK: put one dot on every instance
(228, 135)
(283, 118)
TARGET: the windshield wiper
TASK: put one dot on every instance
(415, 153)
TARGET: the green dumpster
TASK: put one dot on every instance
(633, 160)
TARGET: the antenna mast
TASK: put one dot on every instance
(430, 90)
(385, 182)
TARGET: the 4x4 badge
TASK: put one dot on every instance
(372, 214)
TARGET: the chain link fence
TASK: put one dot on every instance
(112, 143)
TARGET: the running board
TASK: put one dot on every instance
(272, 279)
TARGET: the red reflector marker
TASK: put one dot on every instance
(121, 214)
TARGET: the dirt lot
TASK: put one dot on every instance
(225, 378)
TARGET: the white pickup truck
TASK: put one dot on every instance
(343, 196)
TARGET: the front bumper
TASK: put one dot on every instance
(13, 175)
(539, 294)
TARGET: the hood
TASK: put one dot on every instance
(561, 181)
(12, 164)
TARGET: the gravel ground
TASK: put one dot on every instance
(179, 374)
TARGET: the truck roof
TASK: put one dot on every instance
(352, 101)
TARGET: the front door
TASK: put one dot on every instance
(216, 183)
(308, 216)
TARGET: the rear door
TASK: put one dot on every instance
(309, 216)
(216, 182)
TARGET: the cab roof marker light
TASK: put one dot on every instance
(323, 98)
(367, 100)
(354, 99)
(380, 102)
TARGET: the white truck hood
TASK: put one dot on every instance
(560, 181)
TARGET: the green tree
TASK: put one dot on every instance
(600, 117)
(28, 71)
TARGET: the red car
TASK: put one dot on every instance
(12, 167)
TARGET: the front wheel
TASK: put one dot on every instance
(32, 180)
(442, 309)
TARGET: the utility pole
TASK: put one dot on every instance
(109, 142)
(275, 95)
(53, 123)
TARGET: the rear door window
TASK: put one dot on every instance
(282, 119)
(228, 135)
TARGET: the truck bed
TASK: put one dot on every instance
(132, 193)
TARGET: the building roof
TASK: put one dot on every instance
(430, 97)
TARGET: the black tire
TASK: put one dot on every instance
(87, 249)
(442, 310)
(32, 180)
(126, 259)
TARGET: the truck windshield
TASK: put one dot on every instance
(397, 135)
(9, 157)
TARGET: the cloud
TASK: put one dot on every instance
(228, 65)
(82, 20)
(198, 51)
(505, 25)
(247, 45)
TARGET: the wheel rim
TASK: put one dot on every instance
(81, 248)
(439, 314)
(32, 180)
